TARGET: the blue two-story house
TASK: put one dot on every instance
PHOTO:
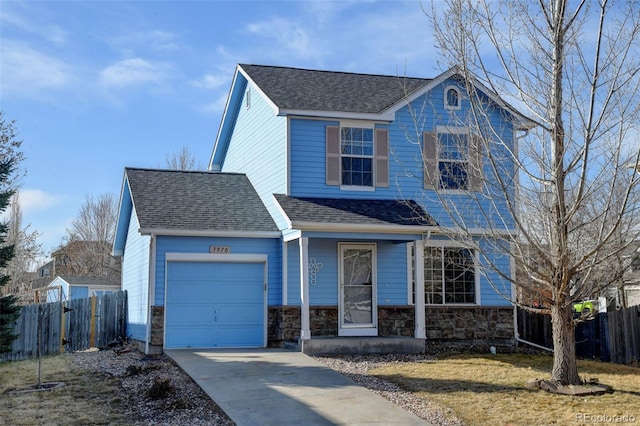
(325, 219)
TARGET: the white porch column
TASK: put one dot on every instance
(305, 331)
(419, 288)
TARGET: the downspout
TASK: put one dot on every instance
(150, 290)
(518, 339)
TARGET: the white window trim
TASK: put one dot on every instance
(359, 330)
(359, 125)
(410, 274)
(446, 100)
(476, 273)
(453, 131)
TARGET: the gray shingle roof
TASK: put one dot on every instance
(197, 201)
(90, 281)
(341, 210)
(313, 90)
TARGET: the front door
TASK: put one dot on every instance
(358, 305)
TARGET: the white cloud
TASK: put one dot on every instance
(134, 71)
(51, 33)
(211, 81)
(156, 40)
(32, 200)
(26, 70)
(287, 34)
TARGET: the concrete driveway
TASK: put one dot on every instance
(280, 387)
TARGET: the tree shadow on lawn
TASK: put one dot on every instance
(445, 386)
(538, 363)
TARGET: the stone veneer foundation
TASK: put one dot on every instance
(284, 322)
(469, 323)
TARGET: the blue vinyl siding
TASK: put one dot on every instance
(308, 159)
(493, 287)
(391, 272)
(258, 149)
(135, 279)
(293, 273)
(268, 246)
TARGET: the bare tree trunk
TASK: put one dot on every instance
(565, 367)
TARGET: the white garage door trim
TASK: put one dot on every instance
(220, 258)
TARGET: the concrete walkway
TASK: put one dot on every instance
(280, 387)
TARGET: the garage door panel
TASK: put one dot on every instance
(239, 336)
(183, 294)
(240, 314)
(194, 337)
(189, 314)
(214, 304)
(190, 271)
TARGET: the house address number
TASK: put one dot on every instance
(219, 249)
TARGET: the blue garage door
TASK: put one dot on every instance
(212, 304)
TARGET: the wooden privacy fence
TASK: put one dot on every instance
(74, 325)
(610, 336)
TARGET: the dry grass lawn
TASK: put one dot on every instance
(87, 398)
(489, 390)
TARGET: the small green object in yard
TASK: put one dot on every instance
(585, 307)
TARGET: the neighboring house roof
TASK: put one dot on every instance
(346, 212)
(89, 281)
(314, 90)
(175, 202)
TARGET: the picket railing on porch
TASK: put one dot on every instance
(73, 325)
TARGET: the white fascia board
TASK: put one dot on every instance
(364, 227)
(291, 235)
(524, 123)
(386, 116)
(282, 212)
(212, 233)
(275, 107)
(125, 187)
(224, 117)
(208, 257)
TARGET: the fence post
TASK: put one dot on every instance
(63, 326)
(92, 331)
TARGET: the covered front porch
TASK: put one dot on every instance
(349, 284)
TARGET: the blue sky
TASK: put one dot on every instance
(95, 86)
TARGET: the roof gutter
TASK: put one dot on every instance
(209, 233)
(360, 227)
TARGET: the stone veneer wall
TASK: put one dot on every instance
(157, 325)
(442, 323)
(396, 321)
(469, 322)
(284, 322)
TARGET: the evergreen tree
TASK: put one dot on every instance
(9, 309)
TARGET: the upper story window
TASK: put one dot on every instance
(452, 97)
(452, 159)
(357, 157)
(356, 152)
